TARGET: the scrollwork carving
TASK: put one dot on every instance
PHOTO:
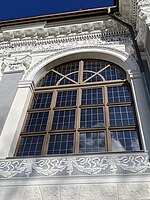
(79, 165)
(12, 64)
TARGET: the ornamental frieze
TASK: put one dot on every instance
(54, 44)
(87, 165)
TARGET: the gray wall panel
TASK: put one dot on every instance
(8, 88)
(148, 42)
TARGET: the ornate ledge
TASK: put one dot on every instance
(43, 32)
(34, 45)
(79, 165)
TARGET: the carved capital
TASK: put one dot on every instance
(15, 64)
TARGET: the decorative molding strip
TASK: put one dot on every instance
(101, 48)
(76, 165)
(110, 36)
(41, 32)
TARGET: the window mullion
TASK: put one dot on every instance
(106, 113)
(77, 123)
(49, 123)
(80, 77)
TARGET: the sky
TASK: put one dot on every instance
(13, 9)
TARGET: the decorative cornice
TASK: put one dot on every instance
(91, 165)
(111, 36)
(130, 11)
(57, 31)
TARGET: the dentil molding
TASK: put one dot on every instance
(42, 45)
(56, 31)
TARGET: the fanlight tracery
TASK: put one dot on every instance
(80, 107)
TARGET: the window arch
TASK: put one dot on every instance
(80, 107)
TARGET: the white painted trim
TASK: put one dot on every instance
(76, 180)
(15, 118)
(120, 58)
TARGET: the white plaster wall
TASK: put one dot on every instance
(12, 128)
(121, 191)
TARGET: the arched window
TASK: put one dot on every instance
(80, 107)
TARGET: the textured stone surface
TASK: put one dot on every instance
(98, 192)
(11, 193)
(31, 193)
(134, 191)
(69, 192)
(116, 191)
(50, 192)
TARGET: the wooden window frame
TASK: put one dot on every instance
(77, 86)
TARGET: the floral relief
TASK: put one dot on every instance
(82, 165)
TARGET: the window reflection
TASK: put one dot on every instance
(92, 117)
(92, 142)
(125, 141)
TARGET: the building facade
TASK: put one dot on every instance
(75, 105)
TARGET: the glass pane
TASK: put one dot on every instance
(92, 96)
(119, 94)
(30, 146)
(50, 79)
(95, 79)
(92, 142)
(125, 141)
(121, 116)
(36, 122)
(68, 67)
(113, 73)
(94, 65)
(86, 75)
(63, 120)
(41, 100)
(74, 76)
(66, 98)
(92, 117)
(65, 81)
(61, 144)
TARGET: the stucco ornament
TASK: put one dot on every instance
(74, 166)
(14, 64)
